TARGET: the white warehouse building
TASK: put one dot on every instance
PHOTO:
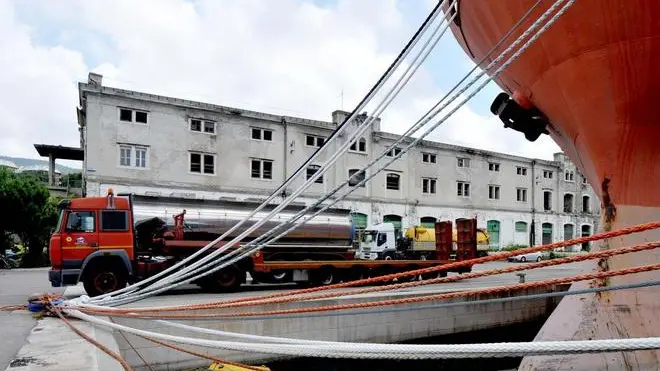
(155, 145)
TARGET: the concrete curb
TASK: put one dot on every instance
(52, 346)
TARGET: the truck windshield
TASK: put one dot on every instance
(369, 236)
(59, 221)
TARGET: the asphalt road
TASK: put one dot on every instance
(15, 286)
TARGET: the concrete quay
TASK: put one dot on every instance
(387, 327)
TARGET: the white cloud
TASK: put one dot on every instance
(283, 57)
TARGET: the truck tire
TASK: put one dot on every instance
(225, 280)
(102, 276)
(323, 276)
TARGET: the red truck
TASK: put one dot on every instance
(109, 242)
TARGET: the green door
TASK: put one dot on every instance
(546, 236)
(427, 222)
(359, 225)
(493, 227)
(396, 221)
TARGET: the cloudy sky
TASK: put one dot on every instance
(292, 57)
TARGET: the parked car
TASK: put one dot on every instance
(532, 256)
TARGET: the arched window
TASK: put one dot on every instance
(493, 228)
(393, 181)
(569, 230)
(359, 145)
(521, 227)
(428, 221)
(586, 204)
(568, 203)
(396, 221)
(586, 232)
(546, 233)
(354, 180)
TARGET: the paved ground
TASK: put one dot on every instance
(15, 286)
(192, 294)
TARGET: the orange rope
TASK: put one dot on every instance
(573, 259)
(491, 290)
(9, 308)
(201, 355)
(112, 354)
(444, 267)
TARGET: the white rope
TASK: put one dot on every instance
(198, 265)
(397, 63)
(417, 140)
(399, 351)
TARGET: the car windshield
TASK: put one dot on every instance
(369, 236)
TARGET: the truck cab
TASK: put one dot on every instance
(378, 242)
(93, 242)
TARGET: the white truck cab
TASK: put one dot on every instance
(378, 242)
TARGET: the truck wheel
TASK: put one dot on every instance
(226, 279)
(323, 277)
(104, 277)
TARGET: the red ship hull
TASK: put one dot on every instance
(593, 74)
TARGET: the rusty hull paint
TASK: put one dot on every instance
(594, 74)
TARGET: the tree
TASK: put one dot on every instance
(29, 212)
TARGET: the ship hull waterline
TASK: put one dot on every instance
(593, 75)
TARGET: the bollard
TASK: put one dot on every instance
(521, 277)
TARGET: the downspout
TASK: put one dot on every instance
(286, 154)
(532, 231)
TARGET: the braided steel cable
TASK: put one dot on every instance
(401, 82)
(372, 92)
(417, 140)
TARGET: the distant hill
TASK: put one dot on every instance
(21, 161)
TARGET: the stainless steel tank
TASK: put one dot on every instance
(214, 217)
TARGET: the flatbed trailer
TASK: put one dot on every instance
(98, 243)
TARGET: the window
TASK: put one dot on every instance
(569, 175)
(494, 192)
(359, 146)
(202, 126)
(114, 220)
(262, 134)
(547, 174)
(428, 185)
(130, 115)
(521, 227)
(586, 204)
(492, 166)
(141, 117)
(261, 169)
(586, 232)
(125, 115)
(202, 163)
(314, 140)
(463, 189)
(394, 152)
(354, 180)
(584, 179)
(521, 194)
(126, 156)
(140, 157)
(568, 231)
(568, 203)
(521, 170)
(428, 158)
(80, 221)
(393, 181)
(547, 200)
(311, 170)
(463, 162)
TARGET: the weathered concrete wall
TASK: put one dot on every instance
(382, 328)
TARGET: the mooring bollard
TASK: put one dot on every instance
(521, 277)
